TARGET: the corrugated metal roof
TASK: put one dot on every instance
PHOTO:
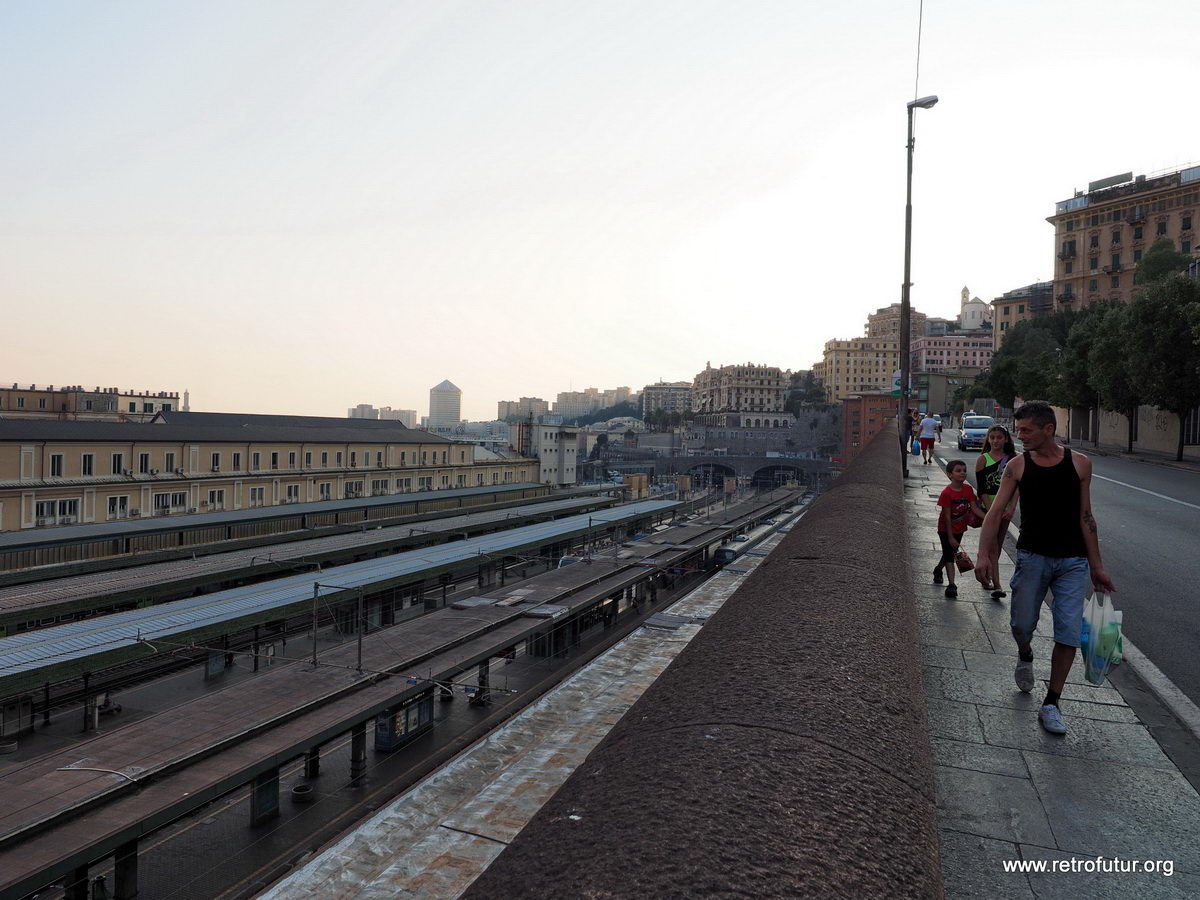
(237, 430)
(76, 640)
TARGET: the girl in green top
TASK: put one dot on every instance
(989, 469)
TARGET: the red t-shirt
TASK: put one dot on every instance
(959, 503)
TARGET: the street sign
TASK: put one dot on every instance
(896, 384)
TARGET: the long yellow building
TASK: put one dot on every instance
(66, 473)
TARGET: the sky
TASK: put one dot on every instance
(296, 207)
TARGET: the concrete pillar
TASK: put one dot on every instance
(484, 681)
(77, 885)
(312, 762)
(264, 796)
(358, 751)
(125, 871)
(89, 705)
(256, 627)
(46, 704)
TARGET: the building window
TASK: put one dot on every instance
(1095, 220)
(292, 459)
(87, 464)
(166, 407)
(1116, 237)
(20, 403)
(143, 463)
(274, 459)
(216, 499)
(1093, 263)
(445, 481)
(169, 461)
(41, 402)
(147, 407)
(292, 493)
(325, 490)
(118, 507)
(1093, 285)
(133, 407)
(1116, 281)
(216, 462)
(324, 459)
(1185, 246)
(308, 459)
(1137, 232)
(1116, 260)
(118, 463)
(1185, 223)
(1070, 267)
(403, 457)
(56, 465)
(1137, 256)
(1095, 241)
(404, 484)
(257, 495)
(425, 483)
(1020, 308)
(379, 486)
(1160, 229)
(237, 462)
(255, 460)
(379, 458)
(424, 457)
(1070, 224)
(353, 459)
(354, 489)
(338, 459)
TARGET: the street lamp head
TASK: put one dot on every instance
(923, 102)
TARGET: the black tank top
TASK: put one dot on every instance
(1050, 522)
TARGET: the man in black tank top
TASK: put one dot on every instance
(1059, 548)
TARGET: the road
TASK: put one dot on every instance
(1149, 518)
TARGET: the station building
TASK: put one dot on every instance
(67, 473)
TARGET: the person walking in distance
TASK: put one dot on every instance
(1058, 548)
(956, 502)
(988, 471)
(927, 432)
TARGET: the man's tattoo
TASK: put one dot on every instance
(1008, 473)
(1089, 520)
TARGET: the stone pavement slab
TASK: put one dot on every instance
(1009, 793)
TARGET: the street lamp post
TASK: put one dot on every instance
(903, 424)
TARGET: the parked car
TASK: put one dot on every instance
(973, 434)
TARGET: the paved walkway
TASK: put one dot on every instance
(1007, 790)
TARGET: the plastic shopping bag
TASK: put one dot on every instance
(963, 560)
(916, 447)
(1100, 640)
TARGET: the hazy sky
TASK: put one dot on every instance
(300, 206)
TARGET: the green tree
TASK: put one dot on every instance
(1076, 388)
(1160, 261)
(1164, 355)
(600, 446)
(1109, 366)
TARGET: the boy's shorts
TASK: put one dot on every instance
(1066, 578)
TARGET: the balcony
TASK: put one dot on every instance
(1067, 254)
(1112, 270)
(1136, 218)
(1065, 297)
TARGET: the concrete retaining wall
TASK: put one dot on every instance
(784, 753)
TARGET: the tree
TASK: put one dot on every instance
(1076, 388)
(1109, 366)
(1160, 261)
(1164, 355)
(600, 446)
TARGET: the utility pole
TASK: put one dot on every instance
(316, 597)
(362, 592)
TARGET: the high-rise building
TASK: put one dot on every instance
(406, 417)
(445, 405)
(523, 408)
(885, 322)
(362, 411)
(667, 396)
(1019, 304)
(1101, 234)
(739, 388)
(859, 365)
(952, 352)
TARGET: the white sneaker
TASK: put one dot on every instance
(1052, 720)
(1024, 675)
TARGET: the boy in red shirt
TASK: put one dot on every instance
(957, 502)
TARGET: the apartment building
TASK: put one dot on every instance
(885, 323)
(667, 396)
(524, 408)
(56, 473)
(863, 417)
(747, 388)
(76, 403)
(1018, 305)
(858, 366)
(1101, 234)
(445, 405)
(952, 351)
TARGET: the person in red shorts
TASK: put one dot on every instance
(957, 502)
(927, 431)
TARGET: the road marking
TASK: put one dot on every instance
(1133, 487)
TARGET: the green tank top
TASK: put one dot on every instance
(990, 474)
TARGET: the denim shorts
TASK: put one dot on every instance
(1067, 579)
